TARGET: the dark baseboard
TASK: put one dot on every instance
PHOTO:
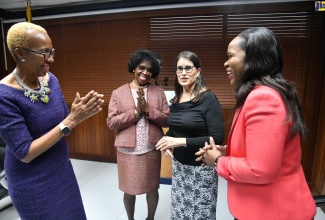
(167, 181)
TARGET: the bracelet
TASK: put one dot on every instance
(136, 114)
(216, 160)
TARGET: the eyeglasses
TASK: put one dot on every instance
(187, 69)
(45, 54)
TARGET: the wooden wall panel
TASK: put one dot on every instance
(92, 140)
(166, 167)
(313, 107)
(318, 175)
(96, 59)
(318, 126)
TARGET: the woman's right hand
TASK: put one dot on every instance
(167, 142)
(84, 107)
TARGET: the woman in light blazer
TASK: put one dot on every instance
(138, 110)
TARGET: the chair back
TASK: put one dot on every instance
(2, 153)
(2, 143)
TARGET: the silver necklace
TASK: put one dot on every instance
(137, 86)
(32, 94)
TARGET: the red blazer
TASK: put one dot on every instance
(265, 178)
(121, 115)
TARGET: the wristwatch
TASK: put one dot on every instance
(64, 129)
(216, 160)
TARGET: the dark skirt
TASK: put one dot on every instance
(139, 174)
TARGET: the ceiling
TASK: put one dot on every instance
(16, 9)
(18, 5)
(11, 9)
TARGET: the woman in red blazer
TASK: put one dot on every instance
(263, 153)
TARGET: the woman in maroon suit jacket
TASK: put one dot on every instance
(138, 111)
(263, 153)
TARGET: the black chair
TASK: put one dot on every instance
(2, 153)
(5, 200)
(320, 200)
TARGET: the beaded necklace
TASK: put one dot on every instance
(32, 94)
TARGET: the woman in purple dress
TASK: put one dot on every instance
(34, 118)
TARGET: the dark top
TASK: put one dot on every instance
(197, 122)
(45, 188)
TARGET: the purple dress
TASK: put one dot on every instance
(45, 188)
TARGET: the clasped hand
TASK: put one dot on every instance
(142, 105)
(209, 153)
(84, 107)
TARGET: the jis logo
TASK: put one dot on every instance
(319, 5)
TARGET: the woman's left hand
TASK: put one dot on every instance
(84, 107)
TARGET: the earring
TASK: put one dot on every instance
(22, 60)
(133, 71)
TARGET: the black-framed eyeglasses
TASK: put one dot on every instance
(188, 69)
(46, 55)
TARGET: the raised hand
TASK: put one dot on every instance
(142, 105)
(201, 152)
(209, 153)
(85, 107)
